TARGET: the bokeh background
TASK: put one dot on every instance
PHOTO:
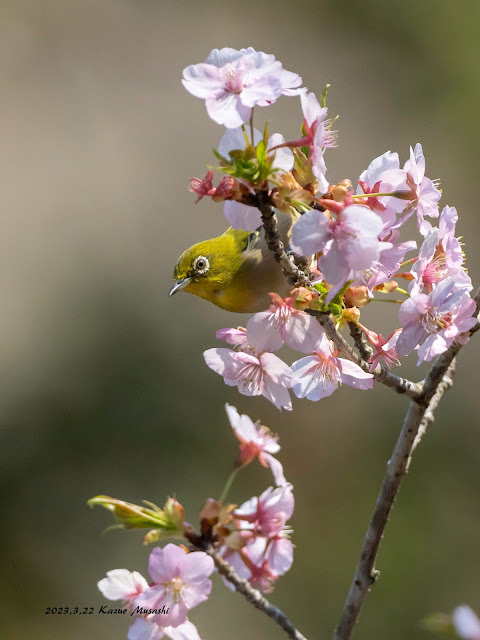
(103, 385)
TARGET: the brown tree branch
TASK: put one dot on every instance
(420, 414)
(363, 347)
(264, 205)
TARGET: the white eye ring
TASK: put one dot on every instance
(201, 265)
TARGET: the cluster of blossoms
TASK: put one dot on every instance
(252, 538)
(350, 237)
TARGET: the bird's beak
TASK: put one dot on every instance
(179, 284)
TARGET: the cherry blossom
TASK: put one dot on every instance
(384, 348)
(143, 629)
(180, 583)
(466, 623)
(414, 186)
(260, 550)
(242, 216)
(283, 324)
(270, 511)
(121, 584)
(318, 137)
(236, 337)
(385, 268)
(370, 182)
(253, 375)
(440, 256)
(256, 441)
(276, 552)
(319, 374)
(350, 243)
(203, 187)
(435, 320)
(232, 82)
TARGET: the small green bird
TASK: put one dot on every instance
(235, 271)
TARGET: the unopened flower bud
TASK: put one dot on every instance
(214, 512)
(174, 512)
(202, 187)
(304, 297)
(211, 510)
(406, 276)
(302, 171)
(351, 315)
(227, 188)
(387, 287)
(356, 296)
(341, 190)
(168, 522)
(236, 541)
(404, 194)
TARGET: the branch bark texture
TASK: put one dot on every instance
(420, 413)
(294, 273)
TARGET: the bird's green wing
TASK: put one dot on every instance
(242, 238)
(252, 240)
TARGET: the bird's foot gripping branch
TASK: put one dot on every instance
(307, 257)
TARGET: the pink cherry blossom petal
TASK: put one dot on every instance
(143, 629)
(164, 564)
(466, 623)
(277, 469)
(185, 631)
(241, 216)
(354, 376)
(196, 567)
(310, 233)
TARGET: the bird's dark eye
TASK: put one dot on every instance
(201, 265)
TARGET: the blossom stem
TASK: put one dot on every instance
(402, 291)
(372, 195)
(228, 485)
(385, 300)
(245, 135)
(251, 129)
(407, 262)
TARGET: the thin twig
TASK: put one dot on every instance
(363, 348)
(381, 374)
(429, 415)
(365, 573)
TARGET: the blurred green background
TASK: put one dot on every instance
(104, 389)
